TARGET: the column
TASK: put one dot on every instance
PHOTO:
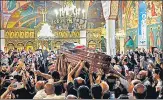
(83, 37)
(107, 38)
(2, 40)
(112, 37)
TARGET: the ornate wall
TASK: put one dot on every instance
(128, 20)
(20, 39)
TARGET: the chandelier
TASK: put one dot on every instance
(70, 16)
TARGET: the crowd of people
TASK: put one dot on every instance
(34, 75)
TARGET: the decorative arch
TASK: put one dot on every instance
(57, 44)
(91, 44)
(29, 45)
(10, 46)
(20, 46)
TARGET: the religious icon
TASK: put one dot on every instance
(153, 12)
(151, 38)
(158, 38)
(129, 43)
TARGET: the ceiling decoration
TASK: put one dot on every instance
(28, 14)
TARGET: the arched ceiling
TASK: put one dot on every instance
(27, 14)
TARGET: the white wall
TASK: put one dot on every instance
(2, 40)
(83, 37)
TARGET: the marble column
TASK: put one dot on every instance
(112, 37)
(2, 40)
(83, 37)
(108, 50)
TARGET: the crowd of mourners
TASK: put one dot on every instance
(33, 75)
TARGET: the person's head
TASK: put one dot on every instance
(58, 89)
(96, 91)
(139, 91)
(131, 75)
(83, 92)
(133, 83)
(39, 85)
(49, 89)
(78, 82)
(142, 75)
(106, 95)
(125, 61)
(161, 65)
(156, 73)
(56, 76)
(71, 97)
(150, 67)
(129, 37)
(4, 68)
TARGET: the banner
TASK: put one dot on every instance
(142, 30)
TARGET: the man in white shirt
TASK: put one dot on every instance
(40, 90)
(49, 90)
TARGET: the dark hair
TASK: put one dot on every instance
(58, 89)
(55, 75)
(139, 95)
(83, 92)
(18, 78)
(96, 91)
(106, 95)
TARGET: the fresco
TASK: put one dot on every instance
(129, 20)
(17, 13)
(154, 31)
(154, 12)
(95, 15)
(133, 33)
(9, 6)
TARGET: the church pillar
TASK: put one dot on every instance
(2, 37)
(110, 10)
(108, 51)
(112, 37)
(83, 37)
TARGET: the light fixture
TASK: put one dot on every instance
(45, 32)
(71, 16)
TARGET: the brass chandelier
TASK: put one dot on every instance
(70, 16)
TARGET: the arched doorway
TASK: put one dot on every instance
(20, 46)
(29, 46)
(92, 44)
(10, 46)
(58, 44)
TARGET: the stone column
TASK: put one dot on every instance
(2, 37)
(112, 37)
(83, 37)
(108, 50)
(106, 12)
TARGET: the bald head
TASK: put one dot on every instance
(71, 97)
(139, 91)
(49, 88)
(39, 85)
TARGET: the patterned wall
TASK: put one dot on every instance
(128, 19)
